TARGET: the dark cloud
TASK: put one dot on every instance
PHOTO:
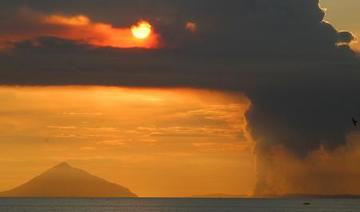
(345, 37)
(298, 71)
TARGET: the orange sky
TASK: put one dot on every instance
(79, 28)
(344, 16)
(156, 142)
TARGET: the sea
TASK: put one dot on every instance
(179, 205)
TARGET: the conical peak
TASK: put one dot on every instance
(64, 180)
(63, 165)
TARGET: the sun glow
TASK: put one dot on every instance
(141, 30)
(100, 34)
(136, 137)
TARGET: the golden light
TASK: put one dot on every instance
(78, 20)
(141, 30)
(101, 34)
(151, 137)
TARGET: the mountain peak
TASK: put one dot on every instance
(64, 180)
(63, 165)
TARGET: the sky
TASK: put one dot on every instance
(144, 139)
(344, 16)
(183, 98)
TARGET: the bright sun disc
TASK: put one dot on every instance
(141, 30)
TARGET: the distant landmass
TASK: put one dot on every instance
(322, 196)
(285, 196)
(64, 180)
(220, 196)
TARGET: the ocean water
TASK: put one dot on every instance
(179, 205)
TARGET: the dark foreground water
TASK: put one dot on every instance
(179, 205)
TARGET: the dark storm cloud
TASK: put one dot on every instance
(298, 71)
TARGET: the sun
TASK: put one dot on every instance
(141, 30)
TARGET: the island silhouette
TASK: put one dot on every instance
(64, 180)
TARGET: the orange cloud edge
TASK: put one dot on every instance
(80, 28)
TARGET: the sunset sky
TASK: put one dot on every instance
(148, 140)
(182, 98)
(344, 16)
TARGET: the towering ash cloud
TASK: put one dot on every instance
(298, 70)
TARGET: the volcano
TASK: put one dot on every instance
(64, 180)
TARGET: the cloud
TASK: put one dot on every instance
(322, 172)
(345, 37)
(29, 25)
(298, 70)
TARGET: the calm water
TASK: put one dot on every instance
(177, 205)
